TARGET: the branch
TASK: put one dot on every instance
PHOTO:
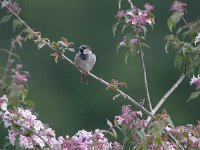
(164, 98)
(145, 79)
(31, 130)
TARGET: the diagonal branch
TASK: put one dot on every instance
(164, 98)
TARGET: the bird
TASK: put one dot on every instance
(85, 61)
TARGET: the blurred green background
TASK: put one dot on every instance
(66, 104)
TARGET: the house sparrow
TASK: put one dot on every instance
(85, 61)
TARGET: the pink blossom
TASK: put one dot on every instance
(25, 142)
(12, 136)
(119, 120)
(196, 81)
(120, 14)
(148, 7)
(38, 125)
(130, 118)
(84, 140)
(14, 6)
(178, 6)
(38, 141)
(117, 146)
(8, 118)
(135, 41)
(19, 79)
(138, 19)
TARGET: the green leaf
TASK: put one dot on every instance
(119, 3)
(29, 103)
(109, 123)
(144, 29)
(28, 36)
(24, 94)
(166, 47)
(144, 45)
(14, 96)
(142, 135)
(159, 140)
(126, 55)
(124, 27)
(71, 49)
(5, 18)
(193, 96)
(156, 128)
(180, 29)
(170, 24)
(114, 28)
(55, 45)
(118, 47)
(116, 96)
(16, 24)
(174, 19)
(184, 51)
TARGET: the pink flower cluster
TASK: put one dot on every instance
(84, 140)
(28, 132)
(170, 146)
(14, 6)
(189, 136)
(130, 118)
(19, 122)
(136, 17)
(19, 79)
(178, 6)
(196, 81)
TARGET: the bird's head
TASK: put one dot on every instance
(85, 49)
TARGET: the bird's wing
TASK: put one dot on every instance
(92, 59)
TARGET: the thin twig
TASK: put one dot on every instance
(131, 4)
(164, 98)
(13, 41)
(31, 130)
(184, 20)
(145, 79)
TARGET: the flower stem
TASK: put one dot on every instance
(145, 78)
(13, 41)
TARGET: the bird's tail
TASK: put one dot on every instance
(84, 78)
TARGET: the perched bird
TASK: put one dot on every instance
(85, 61)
